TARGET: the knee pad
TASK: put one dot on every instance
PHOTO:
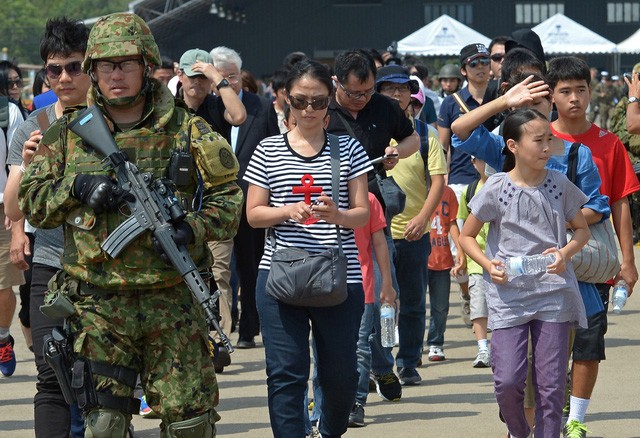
(106, 423)
(198, 427)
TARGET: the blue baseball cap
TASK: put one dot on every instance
(396, 74)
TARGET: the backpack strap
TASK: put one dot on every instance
(572, 163)
(471, 190)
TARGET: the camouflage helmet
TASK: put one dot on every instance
(121, 34)
(450, 71)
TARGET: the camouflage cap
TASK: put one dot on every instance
(121, 34)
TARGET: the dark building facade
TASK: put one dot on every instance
(322, 28)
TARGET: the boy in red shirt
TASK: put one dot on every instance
(369, 237)
(569, 79)
(443, 222)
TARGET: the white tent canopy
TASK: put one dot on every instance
(444, 36)
(559, 34)
(631, 44)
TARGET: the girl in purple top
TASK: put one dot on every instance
(527, 209)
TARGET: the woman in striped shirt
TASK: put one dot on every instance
(289, 180)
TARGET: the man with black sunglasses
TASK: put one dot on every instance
(62, 49)
(497, 51)
(476, 67)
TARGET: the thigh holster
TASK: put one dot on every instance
(86, 394)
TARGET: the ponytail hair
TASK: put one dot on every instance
(512, 129)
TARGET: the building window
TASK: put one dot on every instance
(348, 3)
(623, 12)
(534, 13)
(463, 12)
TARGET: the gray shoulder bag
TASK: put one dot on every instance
(300, 278)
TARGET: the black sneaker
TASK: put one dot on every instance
(409, 376)
(356, 417)
(245, 343)
(388, 386)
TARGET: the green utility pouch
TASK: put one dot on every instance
(57, 303)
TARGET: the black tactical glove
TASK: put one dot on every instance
(98, 192)
(183, 236)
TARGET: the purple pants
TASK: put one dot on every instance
(550, 354)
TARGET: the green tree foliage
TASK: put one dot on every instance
(22, 22)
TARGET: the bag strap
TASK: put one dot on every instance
(334, 146)
(572, 163)
(346, 124)
(423, 132)
(463, 106)
(334, 149)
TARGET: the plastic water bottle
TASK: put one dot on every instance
(620, 293)
(528, 265)
(387, 325)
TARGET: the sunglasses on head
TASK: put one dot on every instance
(74, 68)
(479, 61)
(300, 103)
(497, 57)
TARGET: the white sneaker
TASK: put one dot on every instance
(436, 354)
(483, 359)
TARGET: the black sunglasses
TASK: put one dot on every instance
(481, 61)
(318, 103)
(74, 68)
(15, 83)
(497, 57)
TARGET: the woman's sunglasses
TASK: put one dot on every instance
(482, 61)
(73, 68)
(318, 103)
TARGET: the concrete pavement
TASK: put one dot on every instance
(454, 399)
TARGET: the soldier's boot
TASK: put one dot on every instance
(198, 427)
(106, 423)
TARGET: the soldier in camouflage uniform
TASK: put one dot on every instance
(602, 101)
(133, 313)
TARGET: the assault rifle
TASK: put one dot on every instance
(154, 207)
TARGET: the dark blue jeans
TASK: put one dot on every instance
(285, 334)
(411, 271)
(439, 291)
(381, 357)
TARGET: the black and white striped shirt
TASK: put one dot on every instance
(275, 166)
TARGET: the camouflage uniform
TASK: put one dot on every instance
(602, 101)
(134, 310)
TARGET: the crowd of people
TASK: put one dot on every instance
(415, 186)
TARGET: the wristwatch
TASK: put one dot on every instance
(223, 83)
(634, 99)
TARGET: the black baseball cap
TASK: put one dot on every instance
(526, 39)
(473, 51)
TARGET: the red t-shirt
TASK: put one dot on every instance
(445, 213)
(611, 159)
(363, 235)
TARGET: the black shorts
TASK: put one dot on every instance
(589, 342)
